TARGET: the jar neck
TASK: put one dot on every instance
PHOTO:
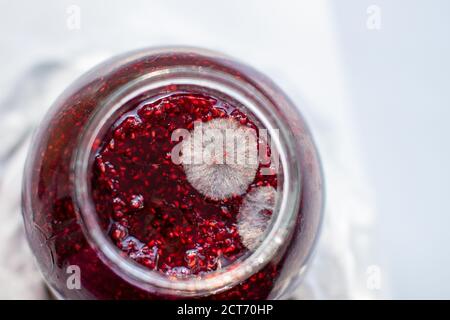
(158, 83)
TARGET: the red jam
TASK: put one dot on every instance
(152, 212)
(151, 208)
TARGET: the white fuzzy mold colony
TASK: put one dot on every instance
(220, 158)
(255, 214)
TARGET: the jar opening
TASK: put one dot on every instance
(155, 85)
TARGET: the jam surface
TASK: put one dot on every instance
(148, 206)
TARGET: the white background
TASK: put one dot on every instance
(377, 101)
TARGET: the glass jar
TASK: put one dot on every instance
(62, 220)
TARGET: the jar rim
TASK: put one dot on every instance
(277, 232)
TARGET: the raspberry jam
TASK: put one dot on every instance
(122, 200)
(154, 214)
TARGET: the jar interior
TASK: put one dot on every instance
(151, 88)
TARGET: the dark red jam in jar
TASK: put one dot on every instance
(169, 174)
